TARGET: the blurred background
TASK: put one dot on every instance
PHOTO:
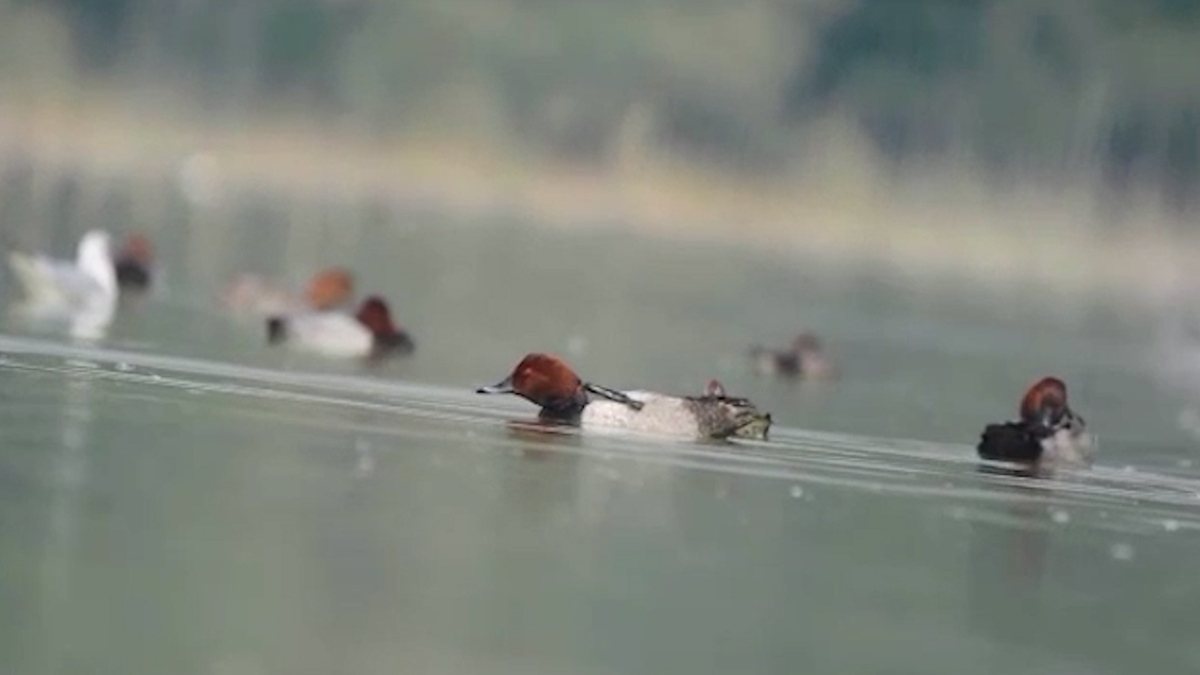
(994, 138)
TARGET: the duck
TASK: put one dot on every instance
(1047, 433)
(547, 381)
(328, 289)
(133, 264)
(89, 279)
(804, 359)
(82, 292)
(370, 332)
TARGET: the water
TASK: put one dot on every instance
(181, 499)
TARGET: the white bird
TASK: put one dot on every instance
(83, 292)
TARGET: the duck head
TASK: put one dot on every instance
(375, 315)
(549, 383)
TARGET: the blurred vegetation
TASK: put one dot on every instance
(1108, 89)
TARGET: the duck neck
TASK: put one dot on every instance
(567, 409)
(95, 263)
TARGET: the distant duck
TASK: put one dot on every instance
(82, 292)
(134, 263)
(88, 279)
(562, 397)
(368, 333)
(804, 359)
(251, 294)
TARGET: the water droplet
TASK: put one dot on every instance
(365, 465)
(1123, 552)
(797, 492)
(1170, 525)
(1185, 463)
(1060, 517)
(958, 513)
(124, 367)
(577, 345)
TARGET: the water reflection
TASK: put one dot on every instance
(1008, 555)
(69, 473)
(87, 322)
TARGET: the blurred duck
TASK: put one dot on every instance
(82, 292)
(251, 294)
(548, 382)
(89, 279)
(368, 333)
(804, 359)
(134, 263)
(1048, 433)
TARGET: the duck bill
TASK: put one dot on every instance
(504, 386)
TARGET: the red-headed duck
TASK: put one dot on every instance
(805, 359)
(328, 289)
(1047, 433)
(548, 382)
(134, 262)
(369, 332)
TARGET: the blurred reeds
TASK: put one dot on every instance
(1055, 142)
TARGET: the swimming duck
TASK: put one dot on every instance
(251, 294)
(804, 358)
(134, 263)
(1047, 433)
(369, 332)
(548, 382)
(83, 292)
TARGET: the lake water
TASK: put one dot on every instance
(180, 498)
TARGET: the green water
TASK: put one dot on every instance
(179, 498)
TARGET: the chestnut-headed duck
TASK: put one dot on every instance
(1046, 435)
(328, 289)
(370, 332)
(805, 359)
(548, 382)
(134, 263)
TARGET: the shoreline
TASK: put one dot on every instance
(949, 227)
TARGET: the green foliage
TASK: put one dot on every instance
(1094, 85)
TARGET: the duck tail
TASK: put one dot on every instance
(276, 330)
(28, 274)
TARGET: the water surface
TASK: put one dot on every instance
(180, 498)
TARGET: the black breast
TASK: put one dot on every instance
(1009, 442)
(132, 274)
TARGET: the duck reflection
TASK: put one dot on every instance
(69, 474)
(1008, 561)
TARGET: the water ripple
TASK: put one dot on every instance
(891, 466)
